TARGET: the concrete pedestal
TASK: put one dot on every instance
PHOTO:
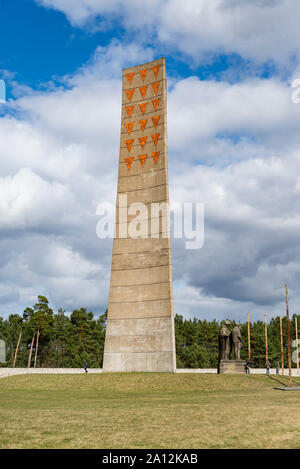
(232, 366)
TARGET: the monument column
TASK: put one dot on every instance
(140, 323)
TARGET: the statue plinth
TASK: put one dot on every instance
(232, 367)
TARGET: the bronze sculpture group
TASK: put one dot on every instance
(230, 341)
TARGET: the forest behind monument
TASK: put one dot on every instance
(68, 340)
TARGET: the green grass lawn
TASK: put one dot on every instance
(139, 410)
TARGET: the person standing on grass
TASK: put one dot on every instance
(248, 367)
(277, 368)
(85, 366)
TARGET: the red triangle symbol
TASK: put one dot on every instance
(143, 73)
(155, 103)
(129, 161)
(142, 159)
(155, 86)
(130, 76)
(143, 107)
(155, 138)
(129, 126)
(143, 141)
(155, 120)
(129, 94)
(155, 156)
(129, 144)
(129, 110)
(143, 123)
(156, 70)
(143, 91)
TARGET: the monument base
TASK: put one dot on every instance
(232, 366)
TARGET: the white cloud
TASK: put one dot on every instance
(259, 30)
(252, 225)
(234, 147)
(28, 202)
(208, 116)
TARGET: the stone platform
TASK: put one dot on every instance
(232, 366)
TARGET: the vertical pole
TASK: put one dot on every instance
(297, 349)
(36, 347)
(16, 352)
(266, 339)
(281, 344)
(249, 346)
(288, 334)
(30, 353)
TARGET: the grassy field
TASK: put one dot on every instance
(138, 410)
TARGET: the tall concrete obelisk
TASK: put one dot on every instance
(140, 323)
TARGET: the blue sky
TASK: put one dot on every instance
(40, 45)
(232, 134)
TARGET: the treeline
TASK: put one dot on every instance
(197, 342)
(66, 341)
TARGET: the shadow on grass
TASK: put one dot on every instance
(277, 380)
(285, 381)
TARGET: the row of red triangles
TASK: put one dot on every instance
(143, 90)
(143, 73)
(142, 158)
(142, 141)
(143, 106)
(129, 125)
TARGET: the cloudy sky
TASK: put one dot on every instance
(233, 139)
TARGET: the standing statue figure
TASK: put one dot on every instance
(224, 341)
(236, 341)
